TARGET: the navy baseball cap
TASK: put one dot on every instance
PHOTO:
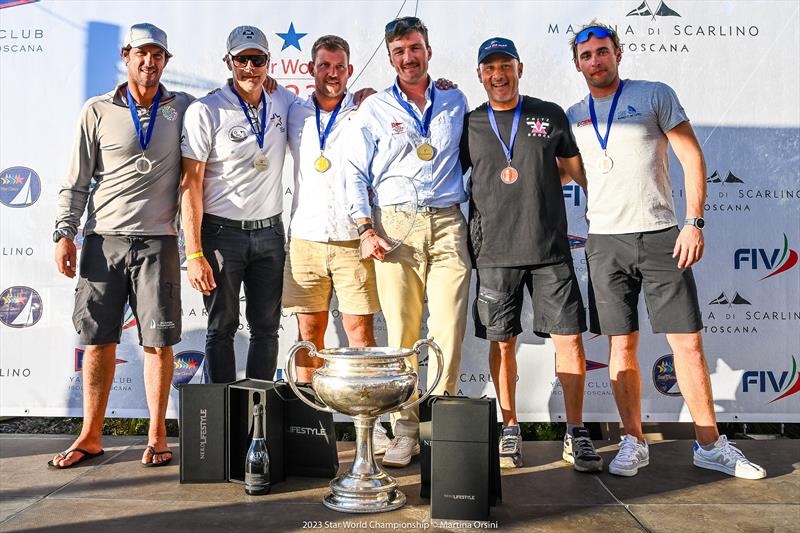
(497, 45)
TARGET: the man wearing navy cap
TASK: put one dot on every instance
(125, 172)
(518, 240)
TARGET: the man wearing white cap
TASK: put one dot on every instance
(234, 143)
(127, 143)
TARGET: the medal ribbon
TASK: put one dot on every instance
(423, 126)
(144, 137)
(508, 150)
(604, 140)
(324, 136)
(263, 123)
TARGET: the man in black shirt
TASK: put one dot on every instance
(518, 238)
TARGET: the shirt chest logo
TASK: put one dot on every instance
(628, 113)
(169, 113)
(540, 127)
(398, 128)
(237, 134)
(277, 122)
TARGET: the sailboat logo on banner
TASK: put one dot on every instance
(20, 307)
(662, 10)
(19, 187)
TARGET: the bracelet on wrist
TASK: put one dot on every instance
(363, 228)
(195, 255)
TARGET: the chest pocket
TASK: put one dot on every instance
(443, 130)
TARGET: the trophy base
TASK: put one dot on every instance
(373, 503)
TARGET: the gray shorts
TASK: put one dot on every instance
(621, 266)
(557, 302)
(143, 271)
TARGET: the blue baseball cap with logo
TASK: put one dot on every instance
(497, 45)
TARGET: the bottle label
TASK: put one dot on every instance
(256, 479)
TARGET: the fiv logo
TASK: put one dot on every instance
(572, 192)
(778, 260)
(786, 383)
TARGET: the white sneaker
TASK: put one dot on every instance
(632, 456)
(380, 440)
(401, 451)
(728, 459)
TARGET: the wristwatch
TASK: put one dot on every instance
(697, 222)
(61, 233)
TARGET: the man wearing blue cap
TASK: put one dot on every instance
(127, 144)
(624, 127)
(518, 240)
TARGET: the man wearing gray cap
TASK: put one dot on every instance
(233, 149)
(518, 239)
(127, 142)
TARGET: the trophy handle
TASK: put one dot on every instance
(290, 377)
(431, 346)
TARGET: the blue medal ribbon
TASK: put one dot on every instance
(604, 140)
(263, 122)
(508, 150)
(423, 126)
(323, 136)
(144, 137)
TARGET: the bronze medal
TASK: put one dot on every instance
(509, 175)
(261, 163)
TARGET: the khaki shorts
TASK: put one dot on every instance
(314, 269)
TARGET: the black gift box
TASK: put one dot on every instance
(202, 438)
(241, 401)
(465, 463)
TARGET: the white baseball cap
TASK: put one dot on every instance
(244, 37)
(143, 34)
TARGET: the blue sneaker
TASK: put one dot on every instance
(511, 447)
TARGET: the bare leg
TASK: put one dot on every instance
(503, 365)
(359, 330)
(158, 367)
(571, 371)
(695, 384)
(98, 375)
(623, 368)
(312, 328)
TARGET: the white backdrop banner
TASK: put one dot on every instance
(733, 64)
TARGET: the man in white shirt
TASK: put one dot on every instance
(635, 245)
(413, 130)
(233, 150)
(323, 241)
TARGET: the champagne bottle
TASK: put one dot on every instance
(256, 467)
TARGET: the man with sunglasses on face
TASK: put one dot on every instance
(518, 237)
(623, 128)
(234, 143)
(412, 130)
(125, 172)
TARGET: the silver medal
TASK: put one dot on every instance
(143, 165)
(605, 164)
(261, 163)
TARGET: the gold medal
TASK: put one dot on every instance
(425, 151)
(322, 163)
(509, 175)
(261, 163)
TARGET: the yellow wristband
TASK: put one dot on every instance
(195, 255)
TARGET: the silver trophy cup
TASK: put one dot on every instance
(364, 383)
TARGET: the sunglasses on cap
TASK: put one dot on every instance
(598, 31)
(409, 22)
(258, 60)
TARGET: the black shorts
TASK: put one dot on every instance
(557, 302)
(144, 271)
(621, 266)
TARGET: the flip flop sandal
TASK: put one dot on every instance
(85, 457)
(153, 453)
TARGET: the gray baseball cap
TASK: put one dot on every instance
(244, 37)
(143, 34)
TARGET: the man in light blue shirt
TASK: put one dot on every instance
(412, 130)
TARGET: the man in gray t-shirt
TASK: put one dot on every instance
(125, 172)
(623, 128)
